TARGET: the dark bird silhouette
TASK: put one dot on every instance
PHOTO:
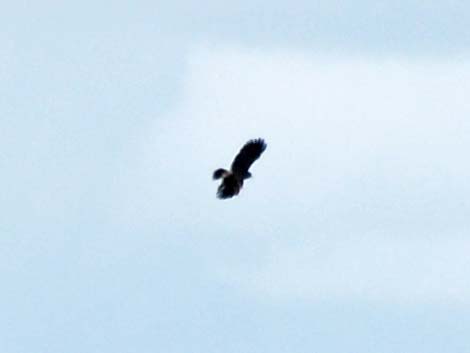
(232, 181)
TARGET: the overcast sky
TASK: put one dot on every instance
(352, 235)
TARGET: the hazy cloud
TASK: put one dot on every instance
(363, 189)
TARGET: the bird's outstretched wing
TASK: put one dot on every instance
(249, 153)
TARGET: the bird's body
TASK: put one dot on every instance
(232, 181)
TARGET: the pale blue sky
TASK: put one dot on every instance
(351, 237)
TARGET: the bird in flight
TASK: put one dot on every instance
(232, 181)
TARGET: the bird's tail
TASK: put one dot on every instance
(219, 173)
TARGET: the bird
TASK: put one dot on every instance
(232, 181)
